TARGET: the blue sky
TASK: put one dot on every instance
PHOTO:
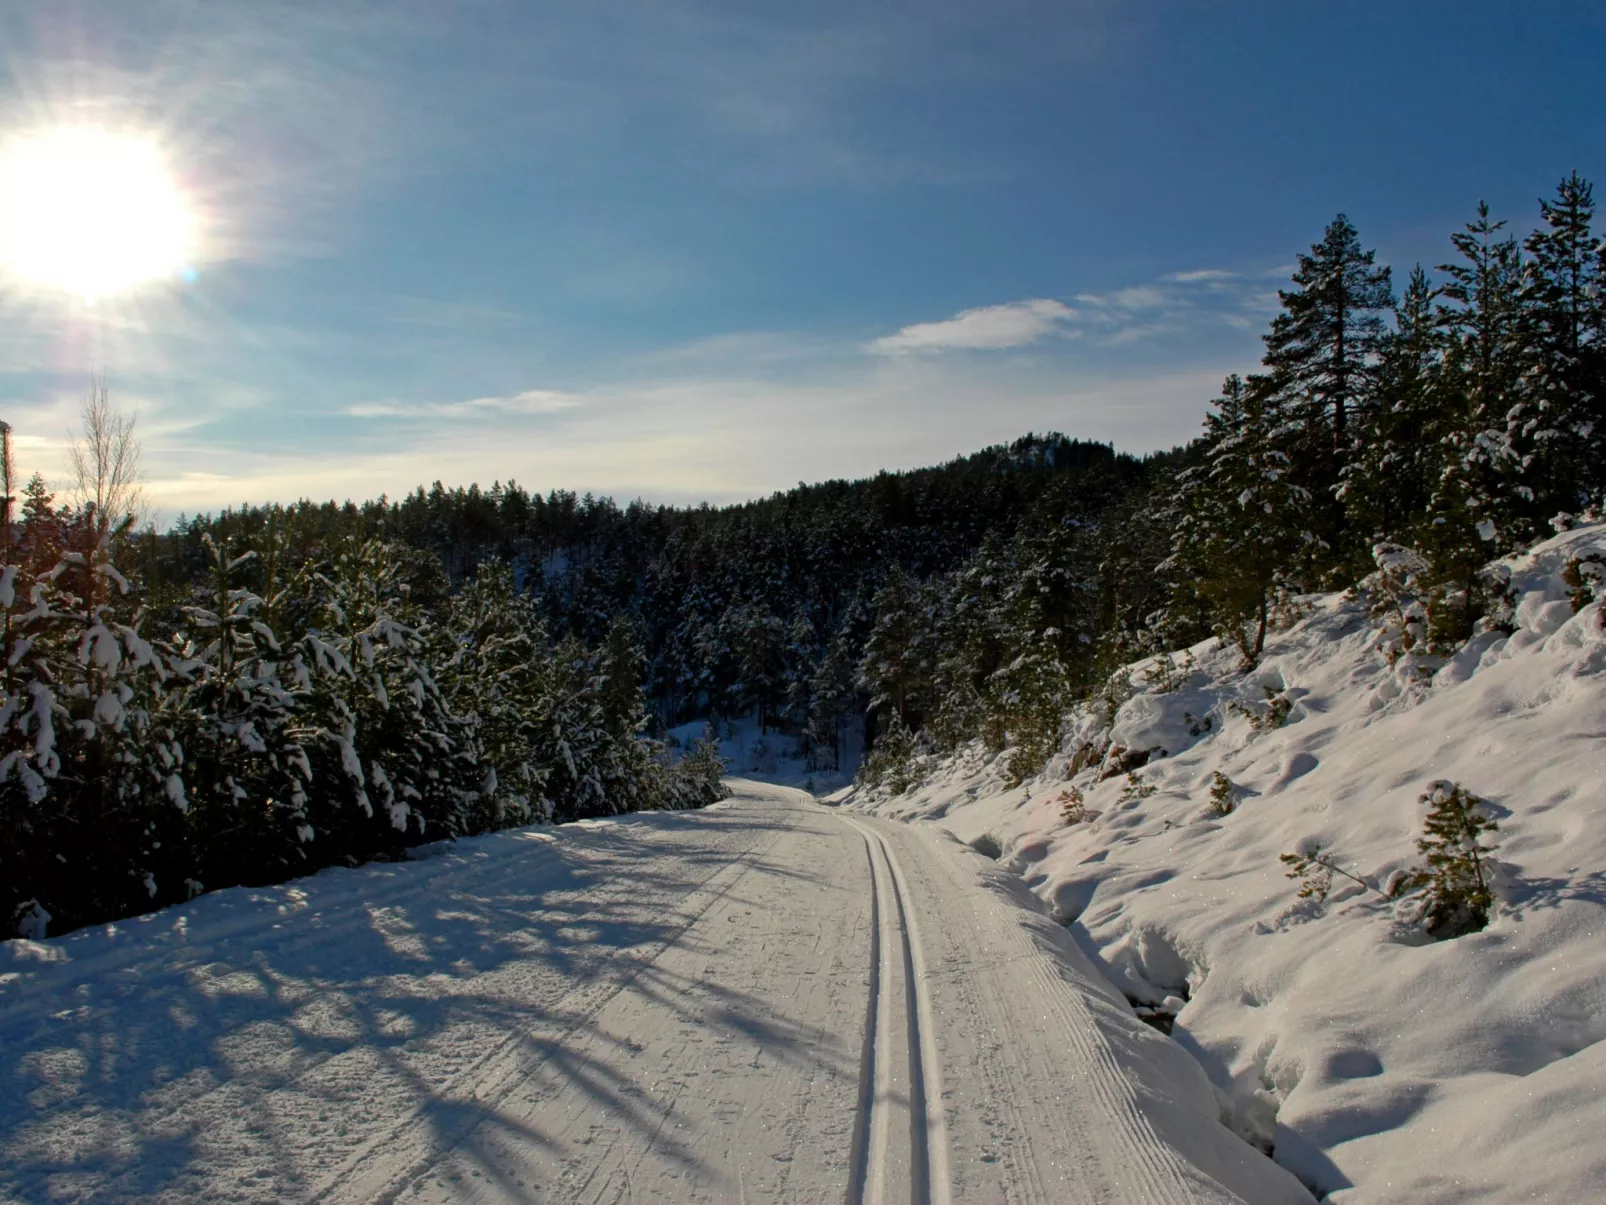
(706, 250)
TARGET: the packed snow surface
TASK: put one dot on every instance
(764, 1001)
(1381, 1066)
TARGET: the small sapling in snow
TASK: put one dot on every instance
(1455, 878)
(1136, 789)
(1313, 865)
(1582, 576)
(1073, 808)
(1223, 795)
(1166, 676)
(1274, 715)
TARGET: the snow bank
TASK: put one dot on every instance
(1379, 1066)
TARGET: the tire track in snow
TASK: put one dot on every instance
(896, 947)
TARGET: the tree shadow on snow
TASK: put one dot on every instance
(203, 1068)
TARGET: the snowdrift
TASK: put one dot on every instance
(1377, 1064)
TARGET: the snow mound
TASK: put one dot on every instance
(1380, 1066)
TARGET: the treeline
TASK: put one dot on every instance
(762, 609)
(1409, 435)
(298, 700)
(276, 688)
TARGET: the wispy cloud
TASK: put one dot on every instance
(1197, 299)
(1202, 274)
(986, 328)
(719, 438)
(530, 401)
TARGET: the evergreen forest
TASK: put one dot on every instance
(255, 694)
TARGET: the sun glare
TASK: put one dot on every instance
(90, 212)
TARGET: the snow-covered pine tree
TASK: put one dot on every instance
(831, 700)
(90, 782)
(1321, 353)
(394, 765)
(1244, 526)
(802, 658)
(757, 636)
(895, 668)
(1560, 420)
(1486, 361)
(1399, 437)
(971, 643)
(499, 678)
(574, 741)
(244, 767)
(635, 774)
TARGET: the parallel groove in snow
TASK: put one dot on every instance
(859, 1161)
(927, 1165)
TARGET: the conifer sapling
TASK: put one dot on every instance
(1223, 795)
(1457, 894)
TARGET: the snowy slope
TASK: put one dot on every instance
(1383, 1066)
(763, 1001)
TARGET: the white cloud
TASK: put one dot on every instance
(989, 328)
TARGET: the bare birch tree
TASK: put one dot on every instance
(104, 459)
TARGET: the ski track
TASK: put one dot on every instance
(919, 1110)
(765, 1001)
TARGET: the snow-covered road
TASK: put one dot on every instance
(764, 1001)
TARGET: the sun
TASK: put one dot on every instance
(90, 212)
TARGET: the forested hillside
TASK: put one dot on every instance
(275, 688)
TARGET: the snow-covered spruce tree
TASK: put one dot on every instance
(1560, 421)
(1243, 523)
(499, 678)
(1478, 503)
(391, 763)
(971, 648)
(91, 791)
(895, 670)
(831, 700)
(245, 768)
(573, 742)
(1399, 436)
(893, 762)
(1486, 363)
